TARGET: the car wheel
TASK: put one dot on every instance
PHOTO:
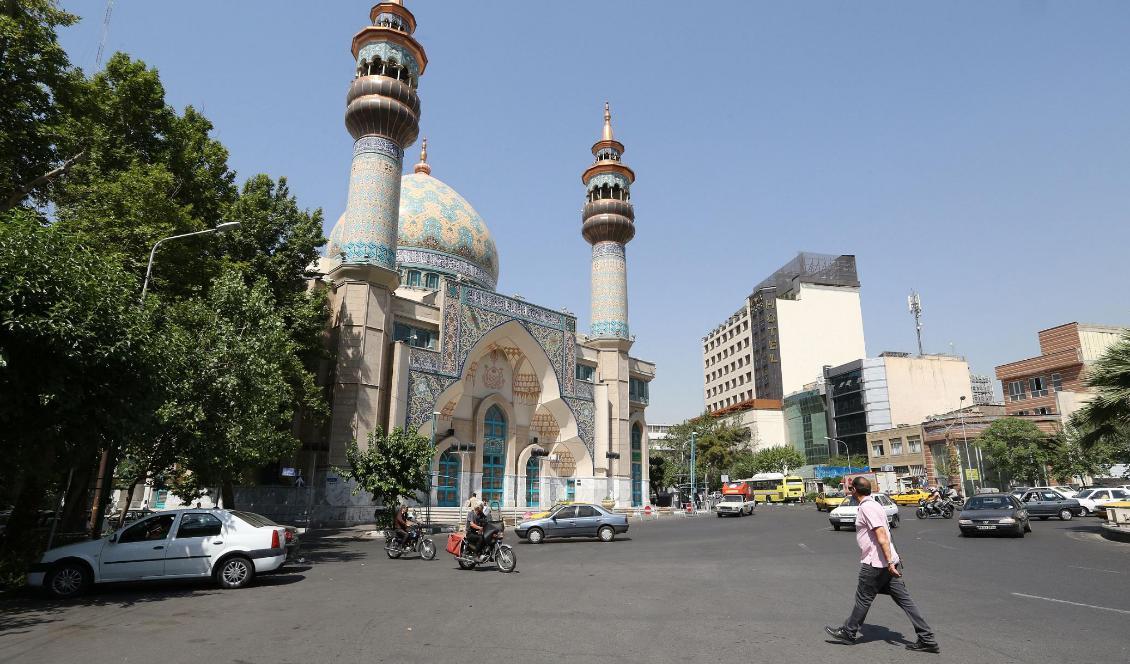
(1065, 515)
(606, 534)
(535, 536)
(69, 579)
(235, 572)
(1083, 511)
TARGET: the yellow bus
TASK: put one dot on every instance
(776, 487)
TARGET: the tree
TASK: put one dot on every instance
(780, 459)
(1104, 422)
(37, 86)
(1069, 459)
(1017, 447)
(718, 444)
(390, 466)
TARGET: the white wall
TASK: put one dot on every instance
(1094, 341)
(922, 386)
(766, 428)
(824, 325)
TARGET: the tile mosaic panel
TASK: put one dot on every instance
(443, 263)
(610, 179)
(424, 390)
(389, 51)
(434, 216)
(585, 413)
(609, 290)
(368, 227)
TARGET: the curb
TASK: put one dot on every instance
(1115, 533)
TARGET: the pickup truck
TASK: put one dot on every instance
(735, 504)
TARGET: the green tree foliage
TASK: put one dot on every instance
(1016, 447)
(390, 466)
(720, 442)
(780, 459)
(37, 89)
(1069, 459)
(1104, 422)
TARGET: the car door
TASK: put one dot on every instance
(197, 539)
(1101, 497)
(588, 521)
(563, 522)
(1037, 504)
(888, 507)
(1054, 501)
(139, 550)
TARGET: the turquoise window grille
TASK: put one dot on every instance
(494, 454)
(533, 483)
(447, 484)
(637, 465)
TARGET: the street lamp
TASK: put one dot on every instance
(227, 225)
(541, 454)
(847, 450)
(462, 449)
(965, 443)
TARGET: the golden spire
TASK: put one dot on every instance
(607, 134)
(423, 166)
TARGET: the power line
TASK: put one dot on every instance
(105, 33)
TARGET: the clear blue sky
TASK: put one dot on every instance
(978, 152)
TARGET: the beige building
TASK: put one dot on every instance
(899, 450)
(801, 318)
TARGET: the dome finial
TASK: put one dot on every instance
(423, 166)
(607, 134)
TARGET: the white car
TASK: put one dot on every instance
(1090, 499)
(733, 504)
(228, 546)
(844, 515)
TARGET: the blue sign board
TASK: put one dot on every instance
(821, 472)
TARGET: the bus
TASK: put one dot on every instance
(776, 487)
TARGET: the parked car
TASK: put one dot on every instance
(1065, 490)
(577, 520)
(230, 547)
(829, 500)
(1091, 499)
(910, 497)
(110, 523)
(844, 515)
(990, 514)
(1019, 491)
(1045, 503)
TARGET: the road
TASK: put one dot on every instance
(672, 590)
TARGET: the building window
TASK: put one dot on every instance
(447, 484)
(637, 465)
(637, 390)
(494, 454)
(1039, 386)
(1043, 410)
(1016, 391)
(431, 280)
(585, 372)
(415, 336)
(915, 444)
(896, 446)
(533, 483)
(1057, 382)
(877, 449)
(413, 277)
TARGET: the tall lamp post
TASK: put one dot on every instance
(227, 225)
(541, 454)
(965, 443)
(847, 450)
(694, 445)
(462, 449)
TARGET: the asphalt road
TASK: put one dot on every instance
(673, 590)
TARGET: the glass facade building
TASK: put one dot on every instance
(806, 425)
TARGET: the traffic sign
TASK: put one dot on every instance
(972, 474)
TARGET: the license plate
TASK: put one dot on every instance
(847, 520)
(986, 527)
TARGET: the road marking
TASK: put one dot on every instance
(1096, 569)
(1063, 601)
(805, 547)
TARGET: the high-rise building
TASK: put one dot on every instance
(806, 424)
(874, 394)
(804, 316)
(1054, 382)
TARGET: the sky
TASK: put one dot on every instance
(976, 152)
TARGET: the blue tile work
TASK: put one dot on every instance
(388, 51)
(434, 217)
(585, 412)
(609, 290)
(610, 179)
(442, 263)
(368, 228)
(423, 391)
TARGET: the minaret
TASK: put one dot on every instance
(382, 113)
(609, 224)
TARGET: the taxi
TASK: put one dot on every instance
(826, 502)
(911, 497)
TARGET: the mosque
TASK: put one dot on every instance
(525, 409)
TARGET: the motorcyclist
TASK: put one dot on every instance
(476, 528)
(401, 522)
(933, 502)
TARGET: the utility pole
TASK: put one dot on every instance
(914, 304)
(694, 441)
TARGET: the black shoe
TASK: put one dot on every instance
(842, 635)
(922, 646)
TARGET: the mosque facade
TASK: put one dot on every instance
(525, 409)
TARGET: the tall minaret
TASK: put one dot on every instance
(382, 114)
(609, 224)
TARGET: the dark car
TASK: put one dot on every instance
(1045, 503)
(994, 513)
(577, 520)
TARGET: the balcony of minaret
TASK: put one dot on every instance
(609, 192)
(608, 220)
(389, 69)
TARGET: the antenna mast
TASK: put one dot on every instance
(105, 32)
(914, 304)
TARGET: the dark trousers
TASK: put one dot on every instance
(875, 580)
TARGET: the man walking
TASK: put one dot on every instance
(880, 571)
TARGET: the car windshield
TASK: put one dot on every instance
(988, 503)
(850, 502)
(732, 498)
(1086, 493)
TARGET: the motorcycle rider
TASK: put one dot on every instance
(476, 529)
(402, 523)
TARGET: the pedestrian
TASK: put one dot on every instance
(880, 571)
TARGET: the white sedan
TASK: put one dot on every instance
(228, 546)
(1091, 499)
(844, 515)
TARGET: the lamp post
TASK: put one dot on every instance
(847, 450)
(541, 454)
(428, 509)
(152, 254)
(462, 449)
(965, 443)
(694, 444)
(609, 489)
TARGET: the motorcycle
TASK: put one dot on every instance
(502, 555)
(927, 510)
(417, 542)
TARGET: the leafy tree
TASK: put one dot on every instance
(1016, 447)
(390, 466)
(780, 459)
(1069, 459)
(37, 87)
(719, 442)
(1104, 422)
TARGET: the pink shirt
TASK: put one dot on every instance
(868, 518)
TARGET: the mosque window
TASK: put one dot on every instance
(417, 337)
(431, 280)
(637, 390)
(413, 277)
(494, 454)
(585, 372)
